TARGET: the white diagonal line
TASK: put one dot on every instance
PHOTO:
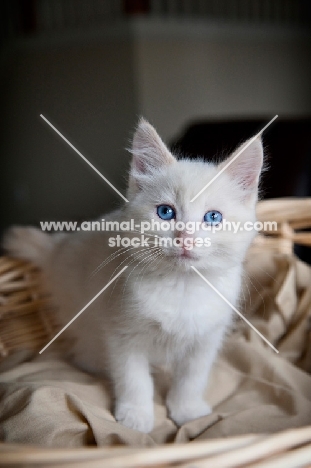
(84, 158)
(82, 310)
(235, 310)
(235, 157)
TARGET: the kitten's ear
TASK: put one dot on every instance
(148, 150)
(245, 166)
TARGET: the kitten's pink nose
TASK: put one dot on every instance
(185, 240)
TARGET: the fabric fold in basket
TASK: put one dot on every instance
(252, 389)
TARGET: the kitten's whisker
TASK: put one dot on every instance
(259, 294)
(128, 277)
(129, 263)
(263, 288)
(156, 259)
(261, 269)
(249, 293)
(145, 255)
(242, 293)
(116, 254)
(112, 257)
(141, 252)
(157, 254)
(133, 259)
(141, 261)
(107, 260)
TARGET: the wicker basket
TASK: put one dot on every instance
(25, 318)
(26, 324)
(282, 450)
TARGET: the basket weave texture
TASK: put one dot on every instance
(25, 318)
(288, 449)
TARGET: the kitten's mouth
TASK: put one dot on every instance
(184, 254)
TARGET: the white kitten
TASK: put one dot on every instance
(159, 311)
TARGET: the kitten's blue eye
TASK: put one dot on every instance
(165, 212)
(213, 217)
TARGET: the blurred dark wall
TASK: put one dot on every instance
(93, 67)
(287, 147)
(88, 93)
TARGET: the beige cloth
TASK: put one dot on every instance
(252, 389)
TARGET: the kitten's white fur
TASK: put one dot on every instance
(159, 311)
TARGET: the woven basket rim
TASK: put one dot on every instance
(249, 448)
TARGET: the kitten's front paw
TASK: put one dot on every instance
(184, 411)
(135, 417)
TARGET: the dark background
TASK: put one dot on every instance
(208, 74)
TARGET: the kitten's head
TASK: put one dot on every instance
(162, 188)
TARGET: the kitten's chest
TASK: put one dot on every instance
(184, 306)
